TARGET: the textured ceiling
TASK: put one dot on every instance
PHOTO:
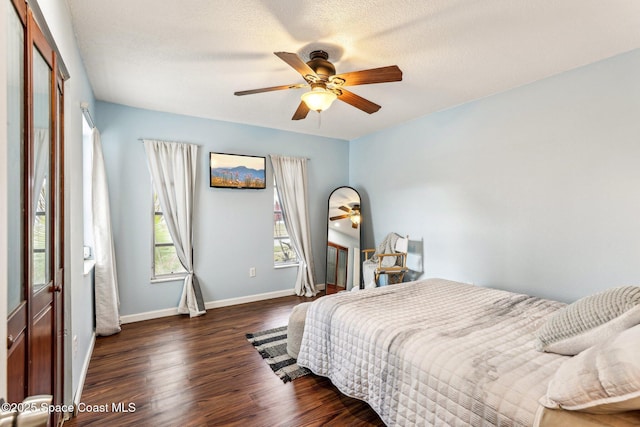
(189, 56)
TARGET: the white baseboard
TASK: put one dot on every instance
(83, 373)
(250, 298)
(148, 315)
(131, 318)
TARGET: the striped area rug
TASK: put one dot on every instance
(272, 346)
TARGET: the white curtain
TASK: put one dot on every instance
(106, 280)
(291, 181)
(173, 169)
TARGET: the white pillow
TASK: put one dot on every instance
(603, 379)
(590, 320)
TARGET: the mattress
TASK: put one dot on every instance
(433, 352)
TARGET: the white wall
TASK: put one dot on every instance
(533, 190)
(233, 228)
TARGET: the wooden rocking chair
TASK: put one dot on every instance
(395, 272)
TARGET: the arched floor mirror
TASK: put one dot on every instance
(344, 219)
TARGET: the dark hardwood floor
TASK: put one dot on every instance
(177, 371)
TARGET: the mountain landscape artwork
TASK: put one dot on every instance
(237, 171)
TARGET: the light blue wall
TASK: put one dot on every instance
(233, 228)
(533, 190)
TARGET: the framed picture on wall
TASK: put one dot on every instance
(237, 171)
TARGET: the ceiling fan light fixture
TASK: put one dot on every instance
(326, 85)
(318, 98)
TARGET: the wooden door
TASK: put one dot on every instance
(336, 279)
(58, 253)
(35, 334)
(42, 199)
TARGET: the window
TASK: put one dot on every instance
(166, 265)
(283, 252)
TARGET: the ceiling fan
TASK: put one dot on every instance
(352, 213)
(327, 86)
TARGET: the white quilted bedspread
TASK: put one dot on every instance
(433, 352)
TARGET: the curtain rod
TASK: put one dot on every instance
(163, 140)
(84, 106)
(142, 139)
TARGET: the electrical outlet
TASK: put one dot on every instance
(252, 272)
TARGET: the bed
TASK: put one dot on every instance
(436, 352)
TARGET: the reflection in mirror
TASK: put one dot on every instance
(15, 159)
(41, 168)
(343, 240)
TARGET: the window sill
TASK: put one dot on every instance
(89, 265)
(278, 267)
(168, 279)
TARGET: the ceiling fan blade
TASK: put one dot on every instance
(301, 112)
(375, 75)
(296, 63)
(270, 89)
(333, 218)
(358, 102)
(344, 208)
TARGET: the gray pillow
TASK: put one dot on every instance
(603, 379)
(590, 320)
